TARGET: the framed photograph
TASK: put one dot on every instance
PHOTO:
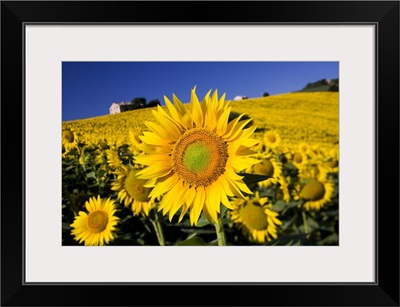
(251, 148)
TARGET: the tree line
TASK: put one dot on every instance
(141, 102)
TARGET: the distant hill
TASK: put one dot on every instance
(298, 117)
(323, 85)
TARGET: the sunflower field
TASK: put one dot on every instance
(261, 171)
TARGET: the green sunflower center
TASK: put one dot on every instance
(135, 188)
(68, 135)
(313, 190)
(97, 221)
(264, 168)
(196, 157)
(199, 157)
(253, 216)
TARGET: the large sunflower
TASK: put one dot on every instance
(193, 155)
(131, 190)
(97, 226)
(255, 217)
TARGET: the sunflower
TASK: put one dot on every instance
(193, 155)
(113, 159)
(97, 226)
(304, 147)
(268, 167)
(332, 160)
(316, 189)
(284, 187)
(272, 139)
(299, 159)
(131, 190)
(313, 169)
(134, 139)
(69, 139)
(255, 217)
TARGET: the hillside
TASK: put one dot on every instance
(323, 85)
(298, 117)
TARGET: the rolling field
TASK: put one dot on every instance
(312, 118)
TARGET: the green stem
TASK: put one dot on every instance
(71, 202)
(219, 229)
(158, 228)
(306, 229)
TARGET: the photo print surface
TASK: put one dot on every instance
(200, 153)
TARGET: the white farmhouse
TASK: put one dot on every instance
(118, 107)
(240, 98)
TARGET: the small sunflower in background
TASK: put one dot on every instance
(313, 170)
(132, 191)
(316, 189)
(97, 225)
(304, 147)
(193, 155)
(332, 160)
(255, 218)
(84, 155)
(284, 192)
(272, 139)
(69, 140)
(268, 166)
(299, 159)
(113, 159)
(134, 139)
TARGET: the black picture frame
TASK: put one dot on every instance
(383, 14)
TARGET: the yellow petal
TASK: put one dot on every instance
(164, 186)
(154, 170)
(198, 204)
(195, 107)
(223, 121)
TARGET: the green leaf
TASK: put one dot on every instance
(203, 221)
(250, 179)
(332, 239)
(90, 175)
(289, 240)
(279, 206)
(196, 241)
(65, 227)
(293, 204)
(224, 210)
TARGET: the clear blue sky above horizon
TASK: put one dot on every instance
(89, 88)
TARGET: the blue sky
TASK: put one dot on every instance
(89, 88)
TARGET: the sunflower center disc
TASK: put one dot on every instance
(313, 190)
(196, 157)
(271, 138)
(135, 188)
(264, 168)
(253, 216)
(68, 135)
(200, 157)
(98, 221)
(297, 158)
